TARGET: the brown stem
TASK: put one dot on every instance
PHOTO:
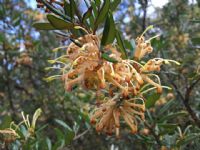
(154, 134)
(186, 102)
(185, 99)
(81, 134)
(144, 6)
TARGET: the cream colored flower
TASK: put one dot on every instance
(107, 115)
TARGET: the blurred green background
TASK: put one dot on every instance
(173, 118)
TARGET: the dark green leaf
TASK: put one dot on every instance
(98, 3)
(164, 125)
(167, 128)
(196, 41)
(49, 144)
(121, 44)
(166, 107)
(95, 9)
(173, 115)
(59, 134)
(58, 22)
(114, 4)
(108, 58)
(43, 26)
(69, 137)
(69, 132)
(87, 14)
(151, 100)
(63, 124)
(109, 31)
(195, 21)
(67, 8)
(72, 8)
(60, 141)
(130, 45)
(59, 145)
(102, 13)
(188, 139)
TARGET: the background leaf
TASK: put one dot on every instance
(102, 13)
(109, 31)
(87, 14)
(151, 100)
(114, 4)
(58, 22)
(43, 26)
(121, 44)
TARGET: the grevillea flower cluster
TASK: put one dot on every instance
(122, 82)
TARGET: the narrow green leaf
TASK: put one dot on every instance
(195, 21)
(167, 128)
(169, 125)
(43, 26)
(121, 44)
(114, 4)
(69, 137)
(87, 14)
(165, 107)
(108, 58)
(72, 8)
(59, 145)
(95, 9)
(196, 40)
(69, 132)
(130, 45)
(102, 13)
(151, 100)
(98, 3)
(109, 31)
(49, 144)
(67, 8)
(58, 22)
(188, 139)
(60, 141)
(173, 115)
(59, 134)
(63, 124)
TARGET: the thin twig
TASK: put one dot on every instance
(185, 99)
(81, 134)
(144, 6)
(186, 102)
